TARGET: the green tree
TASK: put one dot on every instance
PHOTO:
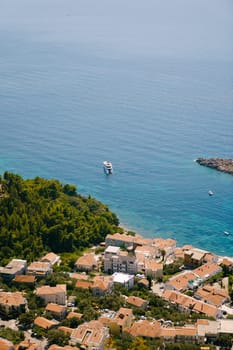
(39, 215)
(139, 343)
(57, 337)
(26, 319)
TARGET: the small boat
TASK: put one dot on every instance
(226, 233)
(210, 193)
(108, 167)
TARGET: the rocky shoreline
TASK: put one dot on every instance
(220, 164)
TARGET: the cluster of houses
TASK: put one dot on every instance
(124, 257)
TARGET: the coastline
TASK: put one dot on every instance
(221, 164)
(184, 246)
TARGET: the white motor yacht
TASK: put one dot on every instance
(108, 167)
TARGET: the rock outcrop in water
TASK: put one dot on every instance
(220, 164)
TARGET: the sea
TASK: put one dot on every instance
(147, 85)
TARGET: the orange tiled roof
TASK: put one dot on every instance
(205, 308)
(143, 241)
(164, 243)
(74, 315)
(227, 262)
(215, 296)
(6, 344)
(50, 257)
(180, 282)
(167, 332)
(144, 329)
(79, 276)
(55, 308)
(207, 269)
(83, 284)
(89, 332)
(122, 315)
(121, 237)
(87, 260)
(136, 301)
(39, 266)
(202, 321)
(187, 302)
(102, 282)
(46, 290)
(151, 264)
(24, 279)
(44, 323)
(208, 257)
(66, 330)
(12, 299)
(146, 249)
(190, 331)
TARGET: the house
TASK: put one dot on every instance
(187, 303)
(84, 284)
(194, 257)
(153, 268)
(44, 323)
(6, 344)
(72, 314)
(12, 304)
(212, 295)
(102, 285)
(39, 269)
(15, 267)
(87, 262)
(120, 240)
(57, 311)
(181, 281)
(51, 258)
(207, 270)
(25, 280)
(138, 302)
(116, 260)
(79, 276)
(56, 295)
(178, 253)
(151, 330)
(186, 334)
(207, 309)
(122, 319)
(123, 279)
(207, 330)
(165, 245)
(227, 263)
(147, 251)
(142, 241)
(145, 329)
(91, 335)
(66, 330)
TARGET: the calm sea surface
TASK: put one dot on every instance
(145, 84)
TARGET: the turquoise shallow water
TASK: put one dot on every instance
(147, 86)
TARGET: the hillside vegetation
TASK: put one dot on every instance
(38, 215)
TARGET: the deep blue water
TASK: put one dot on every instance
(147, 85)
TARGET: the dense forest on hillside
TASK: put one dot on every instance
(38, 215)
